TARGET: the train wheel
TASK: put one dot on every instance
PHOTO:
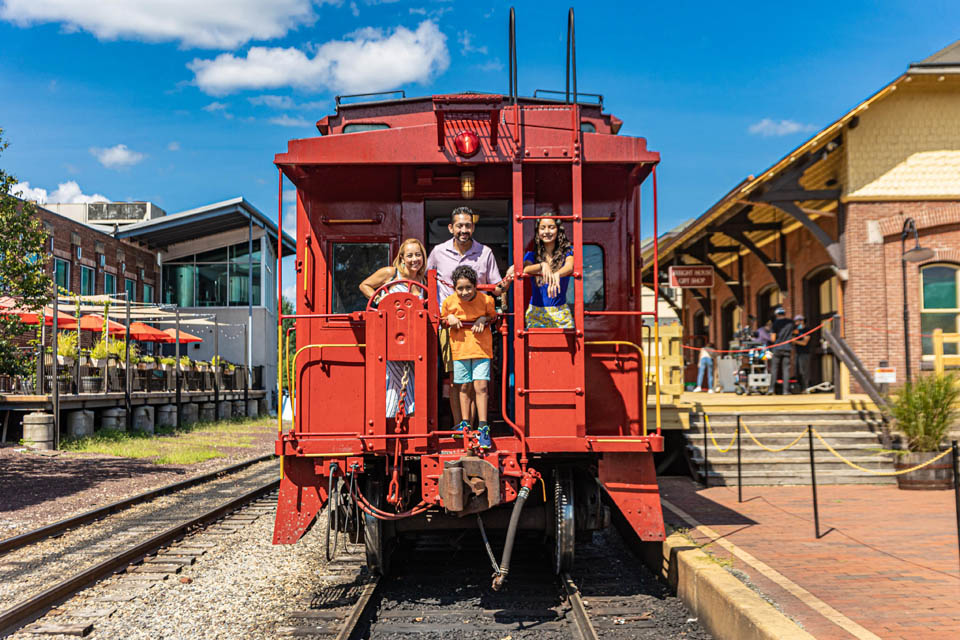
(377, 534)
(565, 526)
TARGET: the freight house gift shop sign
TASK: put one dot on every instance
(691, 277)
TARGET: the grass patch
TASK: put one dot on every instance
(188, 445)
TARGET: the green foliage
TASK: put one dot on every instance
(184, 361)
(168, 361)
(23, 261)
(287, 308)
(924, 411)
(67, 344)
(99, 351)
(148, 359)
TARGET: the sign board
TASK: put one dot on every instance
(885, 375)
(691, 276)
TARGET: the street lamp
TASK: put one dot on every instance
(916, 254)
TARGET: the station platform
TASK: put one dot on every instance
(885, 566)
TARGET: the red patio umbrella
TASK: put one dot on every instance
(94, 322)
(146, 333)
(12, 306)
(185, 338)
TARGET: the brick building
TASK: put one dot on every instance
(820, 231)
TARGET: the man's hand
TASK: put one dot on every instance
(479, 324)
(454, 322)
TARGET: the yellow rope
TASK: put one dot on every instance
(877, 473)
(706, 420)
(763, 446)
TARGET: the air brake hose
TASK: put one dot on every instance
(529, 479)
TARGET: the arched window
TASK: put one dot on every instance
(767, 300)
(939, 304)
(701, 326)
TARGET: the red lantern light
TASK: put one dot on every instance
(467, 144)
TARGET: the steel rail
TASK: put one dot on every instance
(54, 528)
(28, 609)
(580, 616)
(349, 626)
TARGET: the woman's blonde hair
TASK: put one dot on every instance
(398, 261)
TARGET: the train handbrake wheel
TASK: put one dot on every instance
(565, 525)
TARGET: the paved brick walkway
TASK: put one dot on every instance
(886, 560)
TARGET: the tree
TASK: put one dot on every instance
(286, 308)
(23, 267)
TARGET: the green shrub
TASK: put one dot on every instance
(168, 361)
(99, 351)
(67, 344)
(924, 411)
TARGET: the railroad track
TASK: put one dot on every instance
(442, 590)
(90, 547)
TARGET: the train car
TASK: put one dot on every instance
(568, 406)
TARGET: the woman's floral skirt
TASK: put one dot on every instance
(547, 317)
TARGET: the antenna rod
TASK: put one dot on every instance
(571, 57)
(513, 57)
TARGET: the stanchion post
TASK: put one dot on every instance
(813, 484)
(739, 468)
(956, 489)
(706, 471)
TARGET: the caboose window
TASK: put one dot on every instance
(588, 127)
(352, 263)
(594, 298)
(358, 127)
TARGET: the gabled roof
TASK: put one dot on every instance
(210, 219)
(947, 60)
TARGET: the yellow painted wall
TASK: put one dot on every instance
(907, 145)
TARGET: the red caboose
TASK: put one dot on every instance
(568, 406)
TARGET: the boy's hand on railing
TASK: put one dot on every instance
(479, 324)
(454, 322)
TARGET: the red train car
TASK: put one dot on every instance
(568, 406)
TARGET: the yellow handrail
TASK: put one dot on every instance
(643, 377)
(293, 366)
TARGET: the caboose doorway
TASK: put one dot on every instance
(491, 228)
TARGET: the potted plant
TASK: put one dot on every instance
(167, 363)
(99, 354)
(185, 364)
(924, 412)
(147, 363)
(66, 348)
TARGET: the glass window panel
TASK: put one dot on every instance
(148, 293)
(930, 321)
(131, 290)
(109, 283)
(62, 273)
(214, 255)
(352, 263)
(240, 284)
(211, 285)
(358, 127)
(179, 285)
(593, 290)
(87, 281)
(939, 288)
(238, 252)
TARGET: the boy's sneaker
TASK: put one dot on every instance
(483, 436)
(461, 428)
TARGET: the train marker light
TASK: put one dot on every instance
(468, 185)
(467, 144)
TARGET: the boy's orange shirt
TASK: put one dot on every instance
(464, 343)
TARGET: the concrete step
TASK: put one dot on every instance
(789, 415)
(820, 424)
(799, 450)
(782, 438)
(728, 465)
(766, 478)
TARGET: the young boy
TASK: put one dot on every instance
(472, 346)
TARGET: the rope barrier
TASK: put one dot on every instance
(872, 471)
(765, 447)
(706, 420)
(778, 344)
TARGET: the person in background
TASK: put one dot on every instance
(782, 330)
(472, 348)
(461, 250)
(764, 336)
(802, 348)
(705, 366)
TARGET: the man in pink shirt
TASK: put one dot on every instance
(461, 249)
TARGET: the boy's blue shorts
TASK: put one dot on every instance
(469, 370)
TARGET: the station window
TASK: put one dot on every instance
(131, 290)
(109, 284)
(940, 307)
(352, 264)
(594, 296)
(148, 294)
(61, 273)
(220, 277)
(88, 281)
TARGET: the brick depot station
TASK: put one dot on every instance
(824, 232)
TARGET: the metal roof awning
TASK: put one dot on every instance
(203, 221)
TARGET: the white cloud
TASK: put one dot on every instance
(465, 38)
(117, 156)
(491, 65)
(285, 102)
(290, 212)
(287, 121)
(367, 60)
(215, 106)
(173, 146)
(354, 9)
(210, 24)
(290, 293)
(67, 192)
(768, 128)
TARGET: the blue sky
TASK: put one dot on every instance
(184, 103)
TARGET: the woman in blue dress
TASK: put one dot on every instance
(551, 263)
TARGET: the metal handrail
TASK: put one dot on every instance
(293, 365)
(642, 404)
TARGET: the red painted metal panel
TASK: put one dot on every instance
(631, 481)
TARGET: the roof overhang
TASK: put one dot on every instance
(208, 220)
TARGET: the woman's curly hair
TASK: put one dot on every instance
(562, 246)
